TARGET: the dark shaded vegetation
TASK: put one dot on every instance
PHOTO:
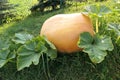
(49, 3)
(52, 3)
(6, 10)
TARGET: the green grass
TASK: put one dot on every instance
(76, 66)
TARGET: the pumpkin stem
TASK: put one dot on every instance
(44, 67)
(118, 38)
(97, 30)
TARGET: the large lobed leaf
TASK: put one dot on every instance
(31, 51)
(51, 52)
(4, 44)
(95, 46)
(22, 38)
(116, 28)
(5, 56)
(98, 10)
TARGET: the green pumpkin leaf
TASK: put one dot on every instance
(22, 38)
(4, 44)
(115, 27)
(86, 40)
(31, 51)
(5, 56)
(49, 43)
(95, 46)
(97, 10)
(104, 43)
(116, 1)
(51, 52)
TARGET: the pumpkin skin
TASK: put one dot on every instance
(63, 30)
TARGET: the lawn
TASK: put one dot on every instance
(76, 66)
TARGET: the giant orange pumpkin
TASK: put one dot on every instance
(63, 30)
